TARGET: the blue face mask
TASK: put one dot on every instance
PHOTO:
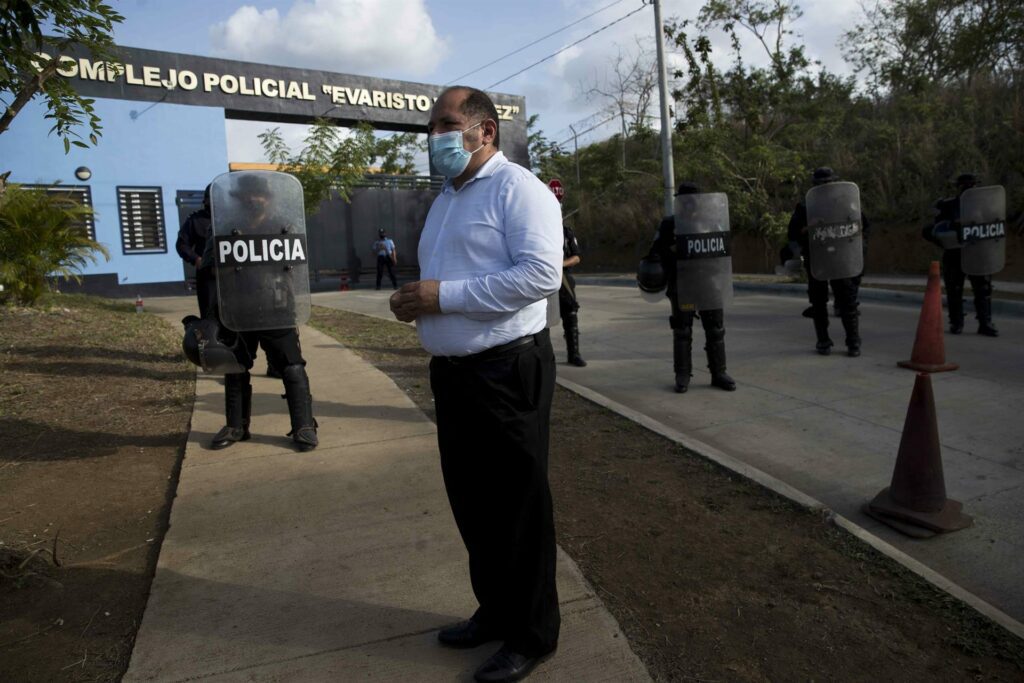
(448, 154)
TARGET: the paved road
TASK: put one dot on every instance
(828, 426)
(831, 426)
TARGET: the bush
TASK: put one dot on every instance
(41, 235)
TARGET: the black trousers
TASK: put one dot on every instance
(281, 346)
(567, 304)
(493, 420)
(206, 292)
(953, 278)
(382, 262)
(844, 289)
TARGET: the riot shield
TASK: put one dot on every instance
(983, 230)
(834, 231)
(260, 250)
(554, 316)
(703, 254)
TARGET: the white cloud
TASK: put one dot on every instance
(349, 36)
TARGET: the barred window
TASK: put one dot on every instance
(142, 220)
(80, 195)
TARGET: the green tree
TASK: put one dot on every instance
(945, 80)
(41, 236)
(23, 75)
(541, 149)
(333, 160)
(910, 45)
(754, 132)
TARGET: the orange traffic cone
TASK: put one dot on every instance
(929, 354)
(915, 502)
(343, 287)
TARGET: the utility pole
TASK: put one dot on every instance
(666, 127)
(576, 153)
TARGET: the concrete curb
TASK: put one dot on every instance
(1000, 307)
(777, 486)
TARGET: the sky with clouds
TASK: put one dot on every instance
(440, 41)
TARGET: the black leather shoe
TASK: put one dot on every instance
(578, 361)
(229, 435)
(305, 439)
(988, 330)
(956, 328)
(723, 381)
(852, 351)
(466, 634)
(507, 665)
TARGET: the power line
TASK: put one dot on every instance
(455, 80)
(554, 54)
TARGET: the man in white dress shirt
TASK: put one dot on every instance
(490, 254)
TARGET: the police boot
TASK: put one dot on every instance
(824, 345)
(851, 325)
(983, 310)
(714, 331)
(300, 407)
(237, 411)
(682, 342)
(572, 340)
(955, 304)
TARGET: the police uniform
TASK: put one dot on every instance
(281, 346)
(191, 246)
(845, 289)
(947, 216)
(713, 320)
(567, 303)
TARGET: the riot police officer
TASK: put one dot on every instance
(713, 320)
(191, 246)
(942, 232)
(257, 298)
(567, 303)
(845, 288)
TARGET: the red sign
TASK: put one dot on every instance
(555, 185)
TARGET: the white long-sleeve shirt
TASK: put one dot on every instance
(496, 246)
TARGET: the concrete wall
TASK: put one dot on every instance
(174, 147)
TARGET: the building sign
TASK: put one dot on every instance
(274, 93)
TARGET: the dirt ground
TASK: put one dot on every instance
(710, 577)
(95, 403)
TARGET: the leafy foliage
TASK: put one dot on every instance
(331, 160)
(86, 23)
(41, 237)
(943, 97)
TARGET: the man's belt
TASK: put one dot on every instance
(498, 351)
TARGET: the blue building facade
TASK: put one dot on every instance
(164, 118)
(159, 148)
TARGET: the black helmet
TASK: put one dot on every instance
(822, 175)
(688, 188)
(650, 275)
(966, 180)
(204, 345)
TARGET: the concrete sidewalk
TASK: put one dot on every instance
(339, 564)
